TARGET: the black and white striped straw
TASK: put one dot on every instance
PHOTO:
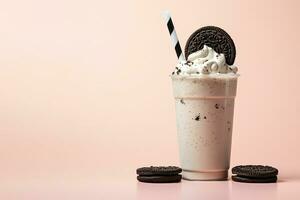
(174, 38)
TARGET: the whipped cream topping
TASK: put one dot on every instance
(205, 61)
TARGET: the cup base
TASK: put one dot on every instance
(205, 176)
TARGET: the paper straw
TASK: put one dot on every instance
(174, 38)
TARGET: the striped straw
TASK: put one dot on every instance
(174, 38)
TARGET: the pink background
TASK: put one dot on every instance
(84, 89)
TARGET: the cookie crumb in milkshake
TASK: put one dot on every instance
(197, 118)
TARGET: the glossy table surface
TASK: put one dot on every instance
(129, 188)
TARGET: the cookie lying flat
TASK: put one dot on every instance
(160, 179)
(161, 170)
(159, 174)
(254, 171)
(254, 180)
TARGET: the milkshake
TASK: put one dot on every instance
(204, 89)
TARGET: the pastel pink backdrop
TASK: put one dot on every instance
(85, 94)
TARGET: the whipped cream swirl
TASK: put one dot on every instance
(205, 61)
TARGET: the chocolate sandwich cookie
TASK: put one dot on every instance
(255, 171)
(214, 37)
(160, 179)
(254, 180)
(254, 174)
(161, 170)
(159, 174)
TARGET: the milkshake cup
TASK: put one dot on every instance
(204, 88)
(204, 114)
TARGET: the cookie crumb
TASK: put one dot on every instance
(189, 63)
(197, 118)
(217, 106)
(181, 101)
